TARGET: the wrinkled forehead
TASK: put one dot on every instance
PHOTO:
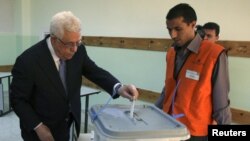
(72, 36)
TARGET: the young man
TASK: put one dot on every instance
(46, 102)
(197, 83)
(212, 31)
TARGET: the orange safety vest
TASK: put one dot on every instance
(193, 96)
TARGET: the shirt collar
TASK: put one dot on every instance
(51, 49)
(193, 46)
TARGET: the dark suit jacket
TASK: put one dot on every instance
(37, 93)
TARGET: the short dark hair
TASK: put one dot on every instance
(212, 25)
(200, 30)
(182, 10)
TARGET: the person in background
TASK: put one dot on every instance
(197, 83)
(47, 103)
(199, 30)
(212, 31)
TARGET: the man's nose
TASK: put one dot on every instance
(205, 37)
(74, 48)
(173, 34)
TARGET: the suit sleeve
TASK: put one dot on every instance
(98, 75)
(21, 93)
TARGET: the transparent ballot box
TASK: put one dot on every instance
(148, 123)
(5, 79)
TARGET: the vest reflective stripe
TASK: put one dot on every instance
(193, 97)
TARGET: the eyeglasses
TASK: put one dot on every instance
(70, 44)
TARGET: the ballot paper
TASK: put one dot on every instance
(132, 108)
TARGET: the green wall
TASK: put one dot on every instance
(8, 48)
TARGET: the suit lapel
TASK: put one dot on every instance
(46, 62)
(70, 74)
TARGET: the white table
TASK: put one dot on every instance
(3, 110)
(86, 137)
(86, 92)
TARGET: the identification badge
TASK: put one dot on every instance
(192, 75)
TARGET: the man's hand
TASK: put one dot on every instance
(128, 91)
(44, 133)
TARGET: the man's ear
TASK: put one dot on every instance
(53, 39)
(193, 24)
(217, 37)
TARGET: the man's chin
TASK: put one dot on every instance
(69, 57)
(178, 44)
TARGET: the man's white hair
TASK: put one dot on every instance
(64, 21)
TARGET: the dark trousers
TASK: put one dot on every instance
(198, 138)
(60, 132)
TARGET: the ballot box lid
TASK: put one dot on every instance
(114, 121)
